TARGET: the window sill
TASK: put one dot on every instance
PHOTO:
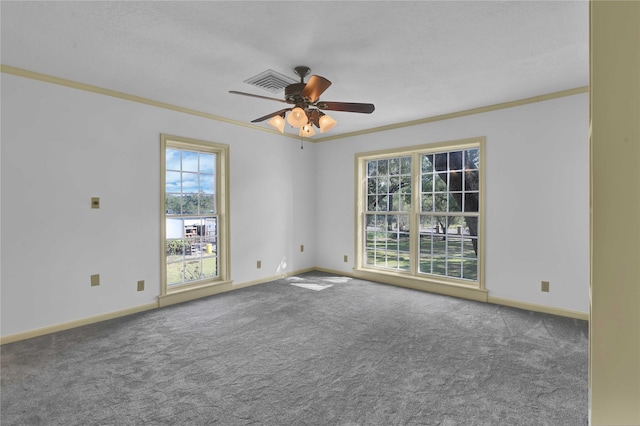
(188, 292)
(429, 284)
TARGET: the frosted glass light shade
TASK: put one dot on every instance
(307, 130)
(277, 122)
(326, 123)
(297, 117)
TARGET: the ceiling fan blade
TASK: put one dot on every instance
(273, 114)
(347, 107)
(315, 87)
(256, 96)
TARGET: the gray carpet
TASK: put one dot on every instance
(355, 353)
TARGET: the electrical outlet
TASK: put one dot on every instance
(95, 280)
(346, 258)
(95, 202)
(259, 264)
(544, 286)
(141, 285)
(301, 247)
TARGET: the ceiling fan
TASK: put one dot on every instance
(307, 109)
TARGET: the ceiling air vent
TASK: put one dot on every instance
(270, 80)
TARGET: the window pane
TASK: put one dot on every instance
(395, 202)
(440, 161)
(427, 183)
(455, 202)
(405, 202)
(383, 203)
(471, 180)
(455, 160)
(471, 202)
(440, 202)
(172, 159)
(372, 168)
(206, 184)
(371, 203)
(174, 273)
(394, 166)
(207, 163)
(207, 204)
(427, 224)
(439, 266)
(470, 226)
(372, 185)
(455, 225)
(440, 185)
(190, 204)
(189, 182)
(174, 228)
(439, 247)
(454, 247)
(173, 204)
(427, 202)
(470, 269)
(192, 270)
(426, 244)
(383, 167)
(172, 182)
(189, 161)
(472, 160)
(383, 185)
(394, 184)
(403, 242)
(209, 267)
(405, 184)
(454, 268)
(469, 248)
(405, 165)
(425, 264)
(426, 163)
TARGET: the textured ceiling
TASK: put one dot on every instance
(411, 59)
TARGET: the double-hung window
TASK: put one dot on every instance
(194, 222)
(420, 213)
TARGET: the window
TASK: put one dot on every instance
(420, 212)
(194, 223)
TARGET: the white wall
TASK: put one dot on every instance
(62, 146)
(537, 197)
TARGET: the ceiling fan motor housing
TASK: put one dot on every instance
(292, 93)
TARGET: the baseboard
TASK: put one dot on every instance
(77, 323)
(334, 271)
(211, 290)
(499, 301)
(274, 278)
(539, 308)
(178, 297)
(432, 286)
(195, 294)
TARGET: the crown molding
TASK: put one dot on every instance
(7, 69)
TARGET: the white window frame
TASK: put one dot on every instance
(411, 278)
(205, 287)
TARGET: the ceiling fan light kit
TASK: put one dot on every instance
(306, 130)
(297, 117)
(306, 111)
(277, 121)
(326, 123)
